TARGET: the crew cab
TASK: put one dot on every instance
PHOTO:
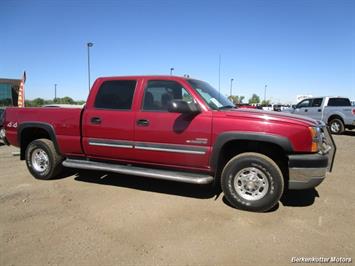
(179, 129)
(337, 112)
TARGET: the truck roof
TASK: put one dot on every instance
(326, 97)
(145, 76)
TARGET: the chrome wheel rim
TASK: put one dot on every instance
(39, 160)
(251, 183)
(335, 127)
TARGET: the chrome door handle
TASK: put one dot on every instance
(95, 120)
(143, 122)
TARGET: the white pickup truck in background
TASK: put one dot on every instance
(337, 112)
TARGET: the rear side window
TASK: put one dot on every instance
(339, 102)
(317, 102)
(116, 94)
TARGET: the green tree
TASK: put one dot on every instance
(265, 102)
(37, 102)
(236, 99)
(254, 99)
(80, 102)
(28, 103)
(66, 100)
(241, 98)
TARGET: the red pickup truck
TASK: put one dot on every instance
(179, 129)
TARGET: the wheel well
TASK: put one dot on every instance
(30, 134)
(235, 147)
(335, 117)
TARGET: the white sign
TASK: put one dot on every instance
(302, 97)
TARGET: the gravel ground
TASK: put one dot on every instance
(91, 218)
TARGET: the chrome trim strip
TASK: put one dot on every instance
(170, 148)
(111, 143)
(148, 146)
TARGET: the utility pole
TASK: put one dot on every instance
(89, 44)
(231, 89)
(171, 71)
(55, 92)
(265, 93)
(219, 75)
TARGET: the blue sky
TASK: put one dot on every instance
(295, 47)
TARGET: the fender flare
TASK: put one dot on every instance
(226, 137)
(45, 126)
(338, 114)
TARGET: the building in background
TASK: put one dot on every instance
(9, 90)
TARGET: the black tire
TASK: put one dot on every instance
(267, 174)
(336, 126)
(52, 168)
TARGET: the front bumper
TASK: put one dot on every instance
(306, 170)
(309, 170)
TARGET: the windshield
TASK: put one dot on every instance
(210, 95)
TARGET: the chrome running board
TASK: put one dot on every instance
(178, 176)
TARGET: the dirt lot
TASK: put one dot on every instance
(96, 219)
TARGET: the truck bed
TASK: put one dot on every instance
(65, 122)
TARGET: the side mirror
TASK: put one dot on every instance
(181, 106)
(294, 106)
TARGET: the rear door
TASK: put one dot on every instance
(108, 120)
(315, 110)
(168, 138)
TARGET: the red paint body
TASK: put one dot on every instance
(73, 128)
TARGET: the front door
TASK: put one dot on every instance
(108, 125)
(303, 107)
(166, 138)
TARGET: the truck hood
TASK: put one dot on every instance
(272, 116)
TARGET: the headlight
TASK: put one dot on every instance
(320, 143)
(317, 138)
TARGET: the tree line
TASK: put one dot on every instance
(37, 102)
(254, 99)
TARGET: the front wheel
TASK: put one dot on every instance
(42, 159)
(252, 181)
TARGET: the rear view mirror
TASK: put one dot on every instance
(181, 106)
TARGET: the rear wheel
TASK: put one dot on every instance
(252, 181)
(336, 126)
(42, 159)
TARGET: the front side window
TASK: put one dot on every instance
(115, 94)
(159, 93)
(304, 103)
(210, 95)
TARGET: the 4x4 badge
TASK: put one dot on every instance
(12, 124)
